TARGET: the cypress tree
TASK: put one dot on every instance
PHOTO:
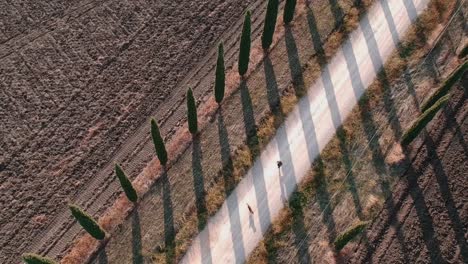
(444, 89)
(270, 23)
(158, 143)
(126, 184)
(31, 258)
(87, 222)
(192, 112)
(220, 75)
(288, 14)
(244, 53)
(348, 235)
(422, 121)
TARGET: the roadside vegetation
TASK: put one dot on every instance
(126, 184)
(422, 121)
(192, 112)
(351, 233)
(245, 43)
(270, 24)
(444, 89)
(87, 222)
(30, 258)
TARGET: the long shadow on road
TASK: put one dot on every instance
(258, 175)
(229, 184)
(199, 186)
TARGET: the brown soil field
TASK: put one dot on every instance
(427, 219)
(361, 167)
(78, 82)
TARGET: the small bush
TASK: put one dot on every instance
(422, 121)
(158, 143)
(445, 87)
(126, 184)
(244, 52)
(463, 52)
(31, 258)
(220, 75)
(270, 24)
(289, 8)
(87, 222)
(191, 112)
(343, 239)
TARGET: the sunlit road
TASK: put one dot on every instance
(233, 232)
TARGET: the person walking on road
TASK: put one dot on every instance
(279, 163)
(250, 209)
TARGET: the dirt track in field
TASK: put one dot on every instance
(78, 80)
(426, 221)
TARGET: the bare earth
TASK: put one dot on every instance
(426, 221)
(76, 80)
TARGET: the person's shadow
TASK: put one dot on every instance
(252, 223)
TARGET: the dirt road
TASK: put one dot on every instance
(233, 232)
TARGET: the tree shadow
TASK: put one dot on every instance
(136, 238)
(350, 180)
(372, 133)
(323, 199)
(442, 180)
(198, 181)
(169, 231)
(325, 75)
(199, 186)
(337, 11)
(257, 169)
(378, 64)
(273, 94)
(229, 185)
(249, 120)
(295, 66)
(226, 159)
(102, 257)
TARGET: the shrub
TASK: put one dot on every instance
(445, 87)
(87, 222)
(192, 112)
(270, 23)
(343, 239)
(463, 52)
(288, 14)
(244, 53)
(31, 258)
(422, 121)
(158, 143)
(126, 184)
(220, 75)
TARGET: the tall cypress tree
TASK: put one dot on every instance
(192, 112)
(220, 75)
(270, 23)
(288, 14)
(31, 258)
(244, 53)
(87, 222)
(158, 143)
(126, 184)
